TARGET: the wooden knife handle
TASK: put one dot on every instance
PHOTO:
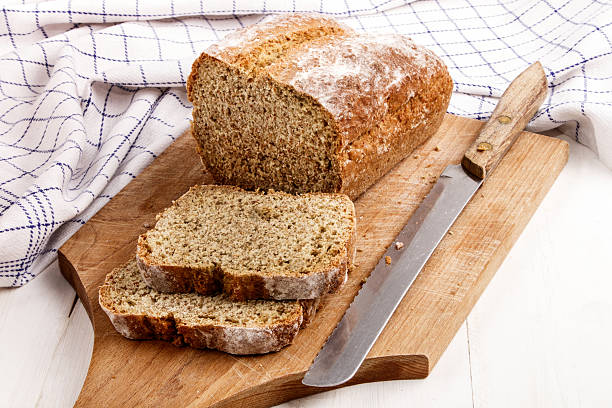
(516, 107)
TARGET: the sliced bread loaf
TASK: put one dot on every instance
(250, 245)
(301, 103)
(250, 327)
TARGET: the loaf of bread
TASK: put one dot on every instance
(250, 327)
(301, 103)
(250, 245)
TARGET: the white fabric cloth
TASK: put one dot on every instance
(92, 92)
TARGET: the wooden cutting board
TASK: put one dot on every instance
(153, 373)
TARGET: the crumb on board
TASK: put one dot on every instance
(416, 156)
(450, 232)
(437, 148)
(359, 250)
(388, 260)
(146, 225)
(399, 245)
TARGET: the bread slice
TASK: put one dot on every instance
(301, 103)
(250, 245)
(250, 327)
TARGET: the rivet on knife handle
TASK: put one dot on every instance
(516, 107)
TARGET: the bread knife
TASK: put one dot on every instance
(364, 320)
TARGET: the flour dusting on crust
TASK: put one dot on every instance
(355, 76)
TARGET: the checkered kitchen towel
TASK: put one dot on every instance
(92, 91)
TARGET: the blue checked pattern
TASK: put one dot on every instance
(92, 92)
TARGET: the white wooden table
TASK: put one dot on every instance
(541, 334)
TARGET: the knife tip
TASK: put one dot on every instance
(311, 380)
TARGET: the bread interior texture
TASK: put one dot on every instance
(126, 293)
(274, 234)
(258, 133)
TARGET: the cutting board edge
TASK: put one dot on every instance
(69, 273)
(287, 388)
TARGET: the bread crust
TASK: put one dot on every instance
(379, 118)
(181, 279)
(229, 339)
(403, 137)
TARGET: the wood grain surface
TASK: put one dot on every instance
(520, 101)
(153, 373)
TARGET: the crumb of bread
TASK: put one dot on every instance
(388, 260)
(281, 236)
(399, 245)
(246, 327)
